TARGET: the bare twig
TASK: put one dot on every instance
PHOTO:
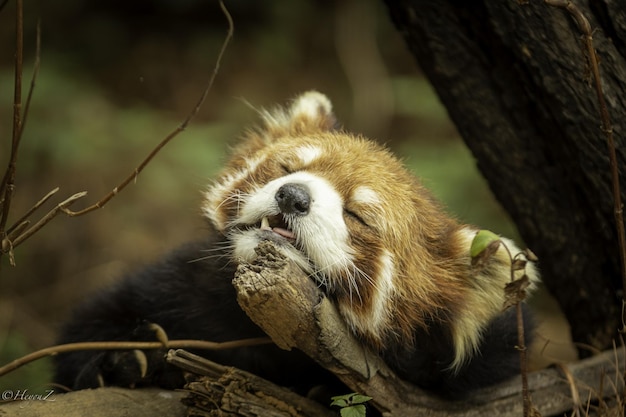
(521, 340)
(18, 232)
(126, 345)
(62, 206)
(33, 79)
(173, 134)
(578, 405)
(607, 128)
(34, 208)
(7, 187)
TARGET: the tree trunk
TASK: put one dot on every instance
(515, 80)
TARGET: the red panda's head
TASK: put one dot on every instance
(357, 221)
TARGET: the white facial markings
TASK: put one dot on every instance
(384, 290)
(375, 322)
(221, 191)
(308, 153)
(322, 233)
(365, 195)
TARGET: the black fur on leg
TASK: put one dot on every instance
(190, 299)
(428, 363)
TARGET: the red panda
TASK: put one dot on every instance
(363, 227)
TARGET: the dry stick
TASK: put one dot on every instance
(34, 208)
(64, 206)
(127, 345)
(607, 128)
(7, 187)
(521, 342)
(33, 79)
(169, 137)
(6, 244)
(573, 387)
(61, 207)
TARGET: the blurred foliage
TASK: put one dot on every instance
(116, 77)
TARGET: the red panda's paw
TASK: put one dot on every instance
(484, 295)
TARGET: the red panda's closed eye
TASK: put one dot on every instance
(353, 215)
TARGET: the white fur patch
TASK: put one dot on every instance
(219, 192)
(311, 104)
(384, 291)
(365, 195)
(308, 154)
(376, 322)
(486, 298)
(322, 233)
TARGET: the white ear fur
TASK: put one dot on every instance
(310, 111)
(311, 104)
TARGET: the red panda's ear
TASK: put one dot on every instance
(310, 112)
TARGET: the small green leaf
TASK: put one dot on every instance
(353, 411)
(342, 400)
(483, 240)
(359, 399)
(484, 246)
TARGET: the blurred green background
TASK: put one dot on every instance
(116, 77)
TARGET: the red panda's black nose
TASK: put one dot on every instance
(293, 199)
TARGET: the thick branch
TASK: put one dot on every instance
(229, 391)
(283, 301)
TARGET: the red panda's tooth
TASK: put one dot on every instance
(265, 224)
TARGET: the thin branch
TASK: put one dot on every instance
(8, 183)
(521, 340)
(61, 207)
(33, 79)
(173, 134)
(607, 129)
(126, 345)
(12, 238)
(34, 208)
(7, 187)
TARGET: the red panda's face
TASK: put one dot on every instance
(327, 199)
(349, 214)
(340, 206)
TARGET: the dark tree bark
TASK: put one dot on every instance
(517, 85)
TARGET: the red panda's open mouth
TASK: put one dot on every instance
(277, 225)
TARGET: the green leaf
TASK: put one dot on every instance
(353, 411)
(342, 400)
(359, 399)
(483, 240)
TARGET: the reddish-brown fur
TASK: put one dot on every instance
(432, 280)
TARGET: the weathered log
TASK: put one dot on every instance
(286, 303)
(231, 391)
